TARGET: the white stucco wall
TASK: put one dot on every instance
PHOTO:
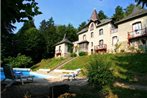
(96, 37)
(126, 27)
(64, 50)
(121, 33)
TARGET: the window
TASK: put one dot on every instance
(92, 35)
(91, 44)
(101, 42)
(84, 37)
(59, 48)
(114, 40)
(101, 32)
(137, 26)
(91, 27)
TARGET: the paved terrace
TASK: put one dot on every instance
(39, 88)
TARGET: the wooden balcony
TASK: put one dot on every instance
(137, 34)
(100, 48)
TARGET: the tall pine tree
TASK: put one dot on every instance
(119, 13)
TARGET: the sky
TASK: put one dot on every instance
(74, 11)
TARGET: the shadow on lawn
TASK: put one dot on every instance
(133, 70)
(132, 66)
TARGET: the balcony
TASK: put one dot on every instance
(58, 52)
(137, 33)
(100, 48)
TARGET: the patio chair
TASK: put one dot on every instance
(72, 75)
(10, 74)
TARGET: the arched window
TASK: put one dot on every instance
(92, 26)
(92, 35)
(114, 40)
(84, 37)
(101, 32)
(101, 42)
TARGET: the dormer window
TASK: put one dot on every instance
(101, 32)
(84, 37)
(92, 26)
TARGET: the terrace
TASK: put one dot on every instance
(100, 48)
(137, 34)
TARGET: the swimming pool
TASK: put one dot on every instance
(24, 71)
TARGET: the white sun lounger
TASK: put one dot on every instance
(72, 74)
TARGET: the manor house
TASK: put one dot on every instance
(108, 36)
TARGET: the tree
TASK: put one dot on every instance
(13, 11)
(27, 25)
(81, 26)
(143, 2)
(17, 11)
(101, 15)
(71, 33)
(130, 8)
(31, 43)
(18, 61)
(60, 30)
(48, 30)
(119, 13)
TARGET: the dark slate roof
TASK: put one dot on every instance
(135, 13)
(83, 30)
(94, 16)
(103, 22)
(64, 40)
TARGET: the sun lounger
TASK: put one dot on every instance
(10, 74)
(72, 74)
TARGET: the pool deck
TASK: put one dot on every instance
(37, 89)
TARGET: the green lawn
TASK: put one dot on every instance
(48, 63)
(79, 62)
(126, 67)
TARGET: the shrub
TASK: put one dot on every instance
(99, 72)
(122, 50)
(117, 47)
(73, 54)
(19, 61)
(82, 53)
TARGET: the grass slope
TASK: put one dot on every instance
(49, 63)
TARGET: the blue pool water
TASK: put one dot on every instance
(24, 72)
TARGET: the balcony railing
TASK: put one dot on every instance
(102, 47)
(137, 33)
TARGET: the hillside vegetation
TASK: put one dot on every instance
(105, 70)
(49, 63)
(124, 63)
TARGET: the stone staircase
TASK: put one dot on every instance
(62, 64)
